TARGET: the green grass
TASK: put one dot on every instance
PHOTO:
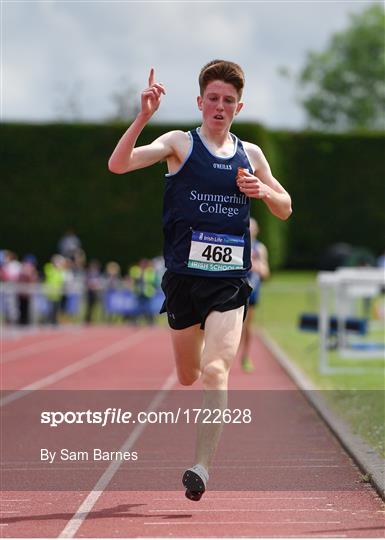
(357, 397)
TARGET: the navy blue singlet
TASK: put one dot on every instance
(205, 216)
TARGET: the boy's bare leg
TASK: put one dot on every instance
(222, 337)
(209, 355)
(244, 347)
(187, 345)
(245, 337)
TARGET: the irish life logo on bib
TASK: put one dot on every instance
(216, 252)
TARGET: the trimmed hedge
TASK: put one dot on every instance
(337, 187)
(56, 177)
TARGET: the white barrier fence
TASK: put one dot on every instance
(338, 292)
(33, 303)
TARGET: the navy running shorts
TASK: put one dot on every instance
(190, 299)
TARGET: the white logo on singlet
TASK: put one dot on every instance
(222, 166)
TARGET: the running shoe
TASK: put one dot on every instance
(194, 484)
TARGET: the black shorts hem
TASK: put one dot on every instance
(190, 300)
(178, 325)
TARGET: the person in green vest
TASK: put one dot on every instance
(54, 276)
(144, 284)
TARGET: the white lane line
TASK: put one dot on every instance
(305, 536)
(279, 523)
(179, 462)
(14, 500)
(83, 363)
(9, 511)
(254, 460)
(247, 498)
(171, 468)
(89, 502)
(35, 348)
(310, 466)
(248, 510)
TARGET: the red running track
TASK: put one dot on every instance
(293, 458)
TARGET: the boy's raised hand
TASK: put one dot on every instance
(150, 98)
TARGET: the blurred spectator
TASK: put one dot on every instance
(68, 282)
(112, 282)
(381, 264)
(361, 256)
(9, 272)
(10, 269)
(79, 264)
(75, 283)
(54, 273)
(335, 256)
(144, 280)
(112, 275)
(28, 275)
(342, 254)
(94, 284)
(160, 268)
(69, 244)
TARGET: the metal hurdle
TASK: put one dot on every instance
(345, 285)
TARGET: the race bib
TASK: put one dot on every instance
(216, 252)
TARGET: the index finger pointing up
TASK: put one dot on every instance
(151, 78)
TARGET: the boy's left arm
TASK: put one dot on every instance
(263, 185)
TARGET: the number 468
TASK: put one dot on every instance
(217, 253)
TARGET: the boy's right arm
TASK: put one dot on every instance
(126, 157)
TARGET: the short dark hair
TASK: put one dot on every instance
(222, 70)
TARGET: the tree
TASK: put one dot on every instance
(125, 101)
(343, 87)
(68, 101)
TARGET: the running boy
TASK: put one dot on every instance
(259, 271)
(211, 177)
